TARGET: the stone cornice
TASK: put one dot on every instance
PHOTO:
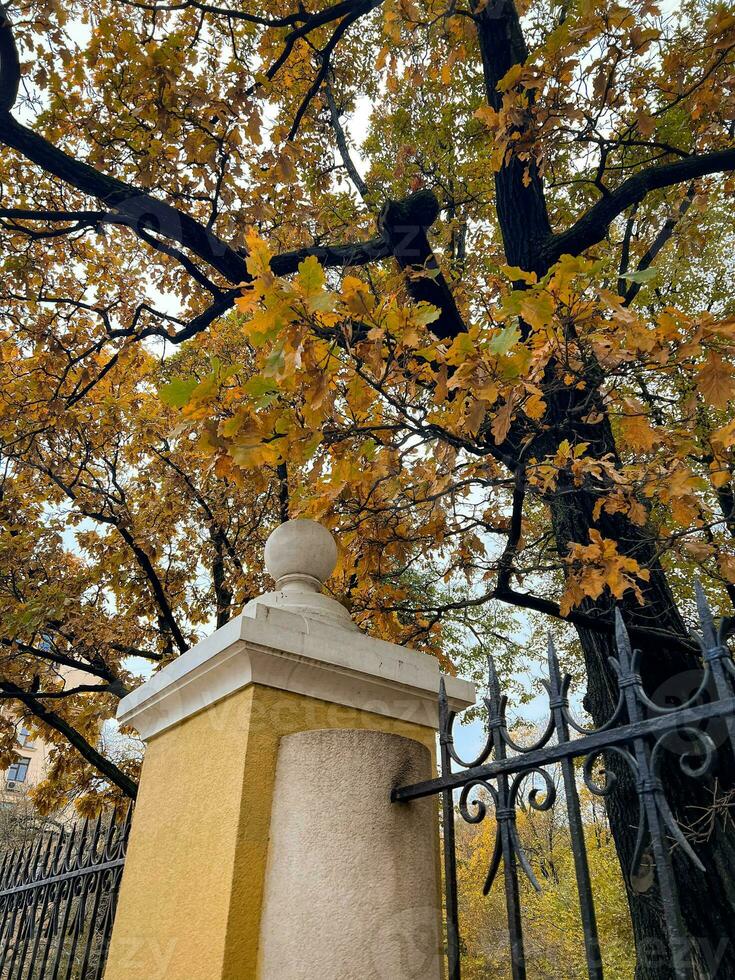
(277, 648)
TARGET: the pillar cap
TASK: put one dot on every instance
(301, 555)
(296, 639)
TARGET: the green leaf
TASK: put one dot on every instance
(311, 275)
(641, 276)
(507, 338)
(177, 392)
(312, 445)
(425, 314)
(275, 362)
(260, 386)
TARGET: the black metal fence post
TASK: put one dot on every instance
(559, 703)
(505, 815)
(650, 791)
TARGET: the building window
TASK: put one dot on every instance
(24, 739)
(18, 771)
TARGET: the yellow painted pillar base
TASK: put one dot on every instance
(191, 899)
(192, 892)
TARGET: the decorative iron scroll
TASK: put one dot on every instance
(58, 895)
(638, 732)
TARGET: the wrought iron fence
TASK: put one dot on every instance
(57, 901)
(639, 732)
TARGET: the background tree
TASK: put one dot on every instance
(117, 551)
(534, 387)
(552, 930)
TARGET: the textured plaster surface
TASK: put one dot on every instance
(351, 887)
(192, 891)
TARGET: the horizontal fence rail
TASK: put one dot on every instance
(58, 895)
(639, 733)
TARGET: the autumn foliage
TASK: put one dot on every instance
(455, 279)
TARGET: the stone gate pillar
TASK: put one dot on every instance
(264, 844)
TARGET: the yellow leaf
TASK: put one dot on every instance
(698, 549)
(516, 274)
(719, 474)
(487, 115)
(535, 406)
(510, 78)
(259, 258)
(501, 422)
(724, 437)
(716, 381)
(538, 309)
(248, 301)
(638, 434)
(726, 564)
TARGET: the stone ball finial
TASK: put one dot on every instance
(300, 555)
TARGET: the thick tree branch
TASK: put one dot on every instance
(118, 690)
(9, 65)
(505, 564)
(592, 227)
(132, 651)
(142, 211)
(519, 191)
(10, 690)
(404, 225)
(97, 670)
(333, 256)
(208, 8)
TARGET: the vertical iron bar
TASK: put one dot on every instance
(99, 875)
(108, 920)
(650, 790)
(715, 652)
(114, 845)
(18, 875)
(98, 890)
(64, 896)
(558, 687)
(31, 908)
(85, 855)
(6, 902)
(66, 891)
(57, 863)
(44, 897)
(450, 853)
(505, 816)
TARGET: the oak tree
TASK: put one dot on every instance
(472, 262)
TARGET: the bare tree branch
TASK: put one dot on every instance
(661, 240)
(344, 150)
